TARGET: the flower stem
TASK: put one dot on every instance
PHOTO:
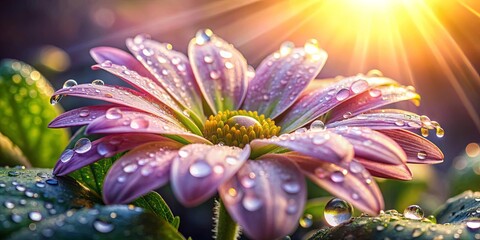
(225, 227)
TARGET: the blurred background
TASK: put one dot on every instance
(433, 45)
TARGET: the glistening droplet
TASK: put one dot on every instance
(82, 145)
(337, 211)
(413, 212)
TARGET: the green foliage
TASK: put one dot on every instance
(465, 174)
(34, 205)
(457, 220)
(11, 155)
(25, 114)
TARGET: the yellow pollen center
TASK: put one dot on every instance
(238, 128)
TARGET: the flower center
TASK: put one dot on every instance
(238, 128)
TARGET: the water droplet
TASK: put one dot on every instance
(106, 64)
(374, 73)
(35, 216)
(306, 220)
(16, 218)
(337, 211)
(200, 169)
(132, 167)
(311, 47)
(286, 48)
(356, 167)
(113, 113)
(13, 173)
(473, 224)
(422, 155)
(70, 83)
(98, 82)
(146, 171)
(320, 139)
(231, 160)
(83, 145)
(440, 132)
(40, 184)
(9, 204)
(208, 59)
(66, 155)
(225, 54)
(147, 52)
(104, 148)
(342, 94)
(317, 125)
(47, 232)
(292, 206)
(183, 153)
(252, 203)
(301, 130)
(203, 36)
(337, 176)
(375, 92)
(247, 181)
(84, 113)
(417, 232)
(399, 228)
(139, 123)
(424, 131)
(102, 226)
(52, 181)
(413, 212)
(291, 187)
(214, 75)
(399, 123)
(359, 86)
(347, 115)
(55, 99)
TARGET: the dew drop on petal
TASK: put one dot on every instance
(413, 212)
(208, 59)
(337, 211)
(146, 171)
(347, 115)
(35, 216)
(70, 83)
(291, 187)
(214, 75)
(356, 167)
(359, 86)
(98, 82)
(374, 73)
(203, 36)
(252, 203)
(106, 64)
(342, 94)
(13, 173)
(231, 160)
(183, 153)
(247, 182)
(113, 113)
(82, 145)
(306, 220)
(311, 47)
(440, 132)
(422, 155)
(102, 226)
(55, 99)
(132, 167)
(225, 54)
(104, 148)
(200, 169)
(417, 232)
(337, 176)
(139, 123)
(84, 113)
(66, 155)
(424, 131)
(320, 139)
(292, 206)
(286, 48)
(317, 125)
(16, 218)
(375, 92)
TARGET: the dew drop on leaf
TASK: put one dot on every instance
(337, 211)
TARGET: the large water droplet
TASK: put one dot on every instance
(16, 218)
(337, 176)
(103, 227)
(132, 167)
(98, 82)
(200, 169)
(422, 155)
(317, 125)
(359, 86)
(183, 153)
(9, 204)
(139, 123)
(104, 148)
(55, 99)
(375, 92)
(473, 224)
(13, 173)
(374, 73)
(113, 113)
(291, 187)
(337, 211)
(35, 216)
(70, 83)
(306, 221)
(52, 181)
(83, 145)
(84, 113)
(203, 36)
(286, 48)
(342, 94)
(440, 132)
(311, 47)
(413, 212)
(252, 203)
(66, 155)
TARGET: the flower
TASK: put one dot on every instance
(210, 122)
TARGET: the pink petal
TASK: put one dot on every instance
(349, 181)
(142, 84)
(80, 116)
(116, 56)
(377, 169)
(314, 103)
(279, 80)
(221, 72)
(171, 70)
(417, 148)
(141, 170)
(372, 145)
(119, 95)
(266, 197)
(199, 169)
(132, 121)
(322, 145)
(382, 119)
(375, 98)
(102, 148)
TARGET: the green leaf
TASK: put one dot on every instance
(26, 112)
(457, 220)
(465, 174)
(11, 154)
(155, 203)
(35, 205)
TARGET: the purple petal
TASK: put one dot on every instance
(417, 148)
(372, 145)
(382, 119)
(349, 181)
(322, 145)
(116, 56)
(280, 80)
(142, 84)
(314, 103)
(375, 98)
(141, 170)
(377, 169)
(266, 197)
(80, 116)
(119, 95)
(132, 121)
(221, 72)
(199, 169)
(171, 70)
(102, 148)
